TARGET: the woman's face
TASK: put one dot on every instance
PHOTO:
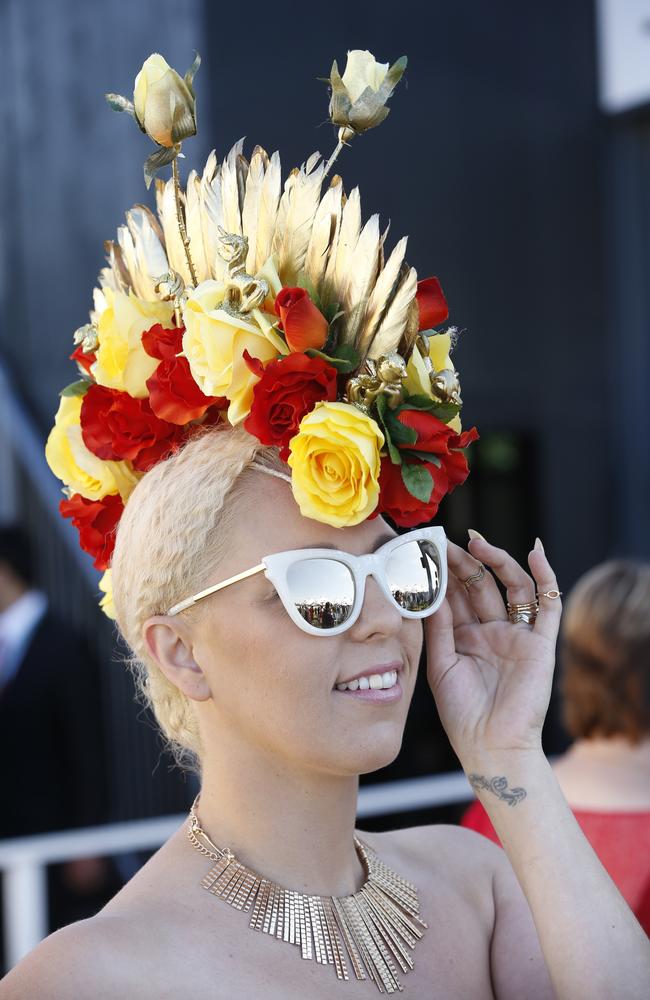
(272, 683)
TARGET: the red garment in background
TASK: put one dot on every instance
(620, 839)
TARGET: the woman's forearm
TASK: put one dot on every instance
(592, 943)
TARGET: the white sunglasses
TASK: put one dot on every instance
(322, 590)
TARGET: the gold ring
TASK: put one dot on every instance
(475, 577)
(551, 594)
(523, 612)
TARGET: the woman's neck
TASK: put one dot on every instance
(611, 748)
(293, 827)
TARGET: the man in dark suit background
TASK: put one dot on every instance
(53, 770)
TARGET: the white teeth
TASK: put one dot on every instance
(375, 682)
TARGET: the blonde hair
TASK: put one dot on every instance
(605, 653)
(172, 533)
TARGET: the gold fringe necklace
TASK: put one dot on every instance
(375, 926)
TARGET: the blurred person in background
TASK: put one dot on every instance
(52, 760)
(605, 704)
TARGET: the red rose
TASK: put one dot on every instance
(288, 389)
(434, 437)
(173, 394)
(96, 521)
(85, 360)
(439, 438)
(432, 304)
(304, 325)
(400, 505)
(115, 425)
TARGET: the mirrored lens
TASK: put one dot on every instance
(322, 591)
(413, 574)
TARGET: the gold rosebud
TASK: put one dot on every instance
(164, 107)
(358, 100)
(335, 462)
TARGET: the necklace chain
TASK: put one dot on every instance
(372, 928)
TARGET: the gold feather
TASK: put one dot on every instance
(149, 259)
(283, 211)
(268, 211)
(324, 232)
(380, 297)
(296, 218)
(166, 199)
(394, 321)
(116, 275)
(194, 227)
(230, 190)
(212, 215)
(360, 280)
(338, 268)
(251, 203)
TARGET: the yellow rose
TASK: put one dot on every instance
(164, 107)
(106, 603)
(417, 378)
(336, 464)
(214, 343)
(76, 466)
(122, 362)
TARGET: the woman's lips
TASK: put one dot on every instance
(386, 695)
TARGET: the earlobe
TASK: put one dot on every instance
(171, 649)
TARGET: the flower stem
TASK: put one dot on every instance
(181, 221)
(336, 152)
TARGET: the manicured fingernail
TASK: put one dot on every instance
(474, 534)
(538, 544)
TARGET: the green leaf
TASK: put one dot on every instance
(345, 359)
(79, 388)
(418, 481)
(189, 76)
(444, 411)
(119, 103)
(426, 456)
(393, 451)
(163, 156)
(304, 281)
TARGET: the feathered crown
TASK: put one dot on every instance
(274, 305)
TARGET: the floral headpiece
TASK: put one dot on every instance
(246, 301)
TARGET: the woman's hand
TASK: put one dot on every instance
(491, 680)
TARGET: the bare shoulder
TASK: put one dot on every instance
(460, 860)
(85, 958)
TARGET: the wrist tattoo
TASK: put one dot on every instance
(500, 788)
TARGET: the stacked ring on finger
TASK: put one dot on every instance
(475, 577)
(523, 612)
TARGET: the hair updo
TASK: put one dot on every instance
(169, 539)
(605, 652)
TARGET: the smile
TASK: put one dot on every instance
(375, 681)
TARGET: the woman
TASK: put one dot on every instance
(605, 691)
(236, 683)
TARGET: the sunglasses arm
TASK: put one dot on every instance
(189, 601)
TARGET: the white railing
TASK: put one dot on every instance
(23, 860)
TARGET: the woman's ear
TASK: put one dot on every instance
(170, 644)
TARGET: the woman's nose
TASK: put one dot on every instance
(378, 614)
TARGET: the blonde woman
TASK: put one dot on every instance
(254, 698)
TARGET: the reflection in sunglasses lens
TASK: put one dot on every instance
(413, 573)
(322, 591)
